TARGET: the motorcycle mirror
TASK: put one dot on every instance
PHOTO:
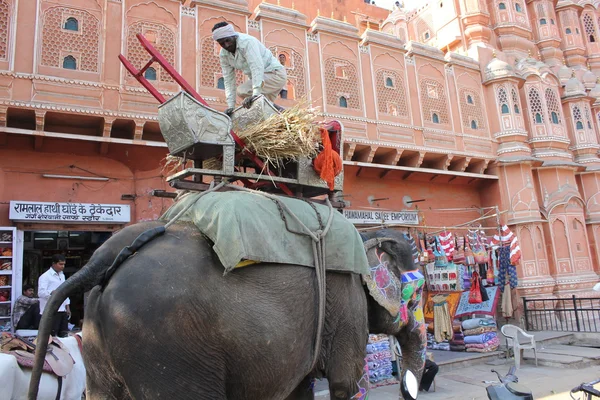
(409, 386)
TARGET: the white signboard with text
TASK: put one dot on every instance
(369, 217)
(35, 211)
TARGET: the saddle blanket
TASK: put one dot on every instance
(26, 362)
(249, 226)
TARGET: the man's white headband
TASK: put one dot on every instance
(224, 32)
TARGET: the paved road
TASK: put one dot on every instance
(467, 383)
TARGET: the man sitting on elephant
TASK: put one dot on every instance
(246, 53)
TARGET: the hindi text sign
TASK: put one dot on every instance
(35, 211)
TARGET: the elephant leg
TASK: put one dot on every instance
(413, 343)
(304, 391)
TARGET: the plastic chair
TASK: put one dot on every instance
(511, 333)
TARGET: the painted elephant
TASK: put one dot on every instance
(169, 324)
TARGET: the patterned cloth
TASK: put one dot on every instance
(21, 306)
(251, 57)
(509, 237)
(506, 267)
(447, 242)
(413, 247)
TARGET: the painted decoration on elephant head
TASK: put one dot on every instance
(383, 285)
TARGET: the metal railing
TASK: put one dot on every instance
(568, 314)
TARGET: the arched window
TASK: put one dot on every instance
(283, 59)
(505, 109)
(552, 21)
(515, 100)
(69, 62)
(553, 106)
(150, 74)
(283, 94)
(221, 83)
(543, 21)
(589, 124)
(426, 35)
(343, 102)
(473, 124)
(579, 125)
(538, 118)
(518, 7)
(71, 24)
(469, 99)
(517, 111)
(568, 31)
(590, 28)
(501, 6)
(435, 118)
(554, 117)
(592, 39)
(389, 83)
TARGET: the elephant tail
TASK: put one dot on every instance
(97, 271)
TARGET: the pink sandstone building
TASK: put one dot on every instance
(460, 103)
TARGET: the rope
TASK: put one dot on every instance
(318, 246)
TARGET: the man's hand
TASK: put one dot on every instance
(247, 103)
(229, 111)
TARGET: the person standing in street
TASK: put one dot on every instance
(49, 281)
(241, 52)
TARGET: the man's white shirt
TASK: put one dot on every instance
(48, 282)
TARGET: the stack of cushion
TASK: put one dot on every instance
(480, 335)
(379, 361)
(458, 340)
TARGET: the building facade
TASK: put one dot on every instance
(460, 104)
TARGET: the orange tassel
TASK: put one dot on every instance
(328, 164)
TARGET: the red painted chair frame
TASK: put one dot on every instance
(157, 57)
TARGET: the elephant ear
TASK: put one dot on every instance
(384, 286)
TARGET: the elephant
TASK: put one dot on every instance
(170, 324)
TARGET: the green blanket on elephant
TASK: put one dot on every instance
(249, 226)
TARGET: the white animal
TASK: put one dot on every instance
(14, 381)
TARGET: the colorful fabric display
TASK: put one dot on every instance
(379, 361)
(477, 322)
(447, 242)
(506, 268)
(510, 239)
(490, 343)
(480, 339)
(459, 253)
(413, 247)
(441, 346)
(480, 330)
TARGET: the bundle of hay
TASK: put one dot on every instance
(286, 136)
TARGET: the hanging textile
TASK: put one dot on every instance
(508, 238)
(507, 307)
(441, 319)
(413, 247)
(505, 267)
(447, 242)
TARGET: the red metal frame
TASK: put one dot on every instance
(157, 57)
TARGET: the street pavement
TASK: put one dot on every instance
(467, 383)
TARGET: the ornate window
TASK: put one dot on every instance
(553, 106)
(295, 69)
(501, 6)
(336, 87)
(515, 100)
(505, 109)
(503, 101)
(518, 7)
(426, 36)
(590, 29)
(568, 31)
(543, 21)
(221, 83)
(5, 16)
(577, 118)
(552, 21)
(394, 94)
(588, 117)
(150, 74)
(535, 105)
(69, 62)
(283, 94)
(435, 118)
(471, 109)
(163, 40)
(433, 101)
(71, 24)
(343, 102)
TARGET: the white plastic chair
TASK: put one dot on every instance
(511, 333)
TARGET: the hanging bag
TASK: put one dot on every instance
(484, 295)
(459, 254)
(440, 257)
(480, 254)
(475, 291)
(469, 258)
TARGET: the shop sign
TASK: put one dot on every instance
(34, 211)
(364, 217)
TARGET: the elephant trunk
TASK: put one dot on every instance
(413, 342)
(106, 258)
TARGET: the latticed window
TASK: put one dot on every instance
(518, 7)
(553, 105)
(343, 102)
(543, 21)
(390, 90)
(434, 100)
(588, 117)
(501, 6)
(69, 62)
(535, 105)
(337, 86)
(71, 24)
(471, 109)
(590, 29)
(150, 74)
(568, 31)
(503, 101)
(577, 118)
(435, 118)
(515, 100)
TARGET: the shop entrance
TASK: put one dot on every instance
(76, 246)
